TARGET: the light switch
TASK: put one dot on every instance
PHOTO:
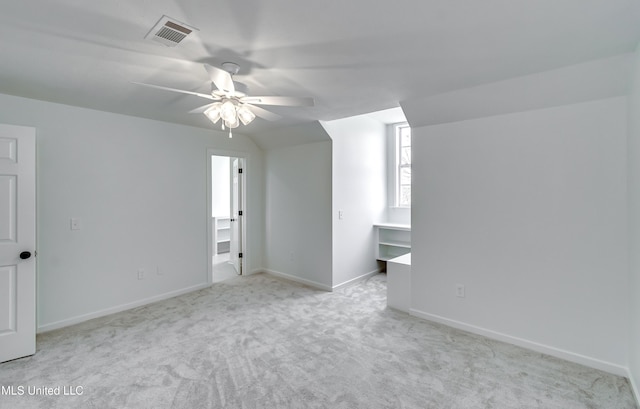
(340, 214)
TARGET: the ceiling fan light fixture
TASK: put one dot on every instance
(213, 113)
(245, 115)
(232, 124)
(228, 111)
(232, 106)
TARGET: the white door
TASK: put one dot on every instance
(235, 234)
(17, 242)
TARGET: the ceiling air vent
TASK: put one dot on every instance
(169, 31)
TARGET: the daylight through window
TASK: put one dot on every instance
(403, 165)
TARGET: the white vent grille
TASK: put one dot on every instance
(169, 31)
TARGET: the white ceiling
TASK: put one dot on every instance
(352, 56)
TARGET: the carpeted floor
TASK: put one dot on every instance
(262, 342)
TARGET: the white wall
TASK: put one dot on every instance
(220, 186)
(526, 205)
(633, 147)
(139, 189)
(298, 213)
(528, 211)
(359, 191)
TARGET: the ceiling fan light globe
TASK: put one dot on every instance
(213, 113)
(245, 115)
(228, 112)
(232, 124)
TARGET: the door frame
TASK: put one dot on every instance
(236, 166)
(246, 215)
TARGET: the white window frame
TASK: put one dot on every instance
(395, 166)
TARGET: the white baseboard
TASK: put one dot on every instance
(119, 308)
(355, 280)
(634, 386)
(290, 277)
(558, 353)
(255, 271)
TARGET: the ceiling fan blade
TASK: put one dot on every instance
(220, 78)
(263, 113)
(200, 110)
(282, 101)
(198, 94)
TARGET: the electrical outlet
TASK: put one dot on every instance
(74, 223)
(140, 273)
(460, 290)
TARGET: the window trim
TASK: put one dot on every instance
(394, 165)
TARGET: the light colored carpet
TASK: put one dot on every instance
(222, 268)
(262, 342)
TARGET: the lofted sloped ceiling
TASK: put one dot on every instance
(353, 57)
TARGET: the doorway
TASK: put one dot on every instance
(227, 227)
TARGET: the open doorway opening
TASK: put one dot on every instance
(227, 227)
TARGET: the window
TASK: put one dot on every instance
(402, 165)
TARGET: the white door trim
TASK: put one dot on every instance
(245, 156)
(235, 206)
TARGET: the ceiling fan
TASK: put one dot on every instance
(231, 103)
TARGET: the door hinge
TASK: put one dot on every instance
(239, 170)
(239, 212)
(239, 255)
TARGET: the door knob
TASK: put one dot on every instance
(25, 255)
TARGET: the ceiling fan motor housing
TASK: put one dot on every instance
(231, 67)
